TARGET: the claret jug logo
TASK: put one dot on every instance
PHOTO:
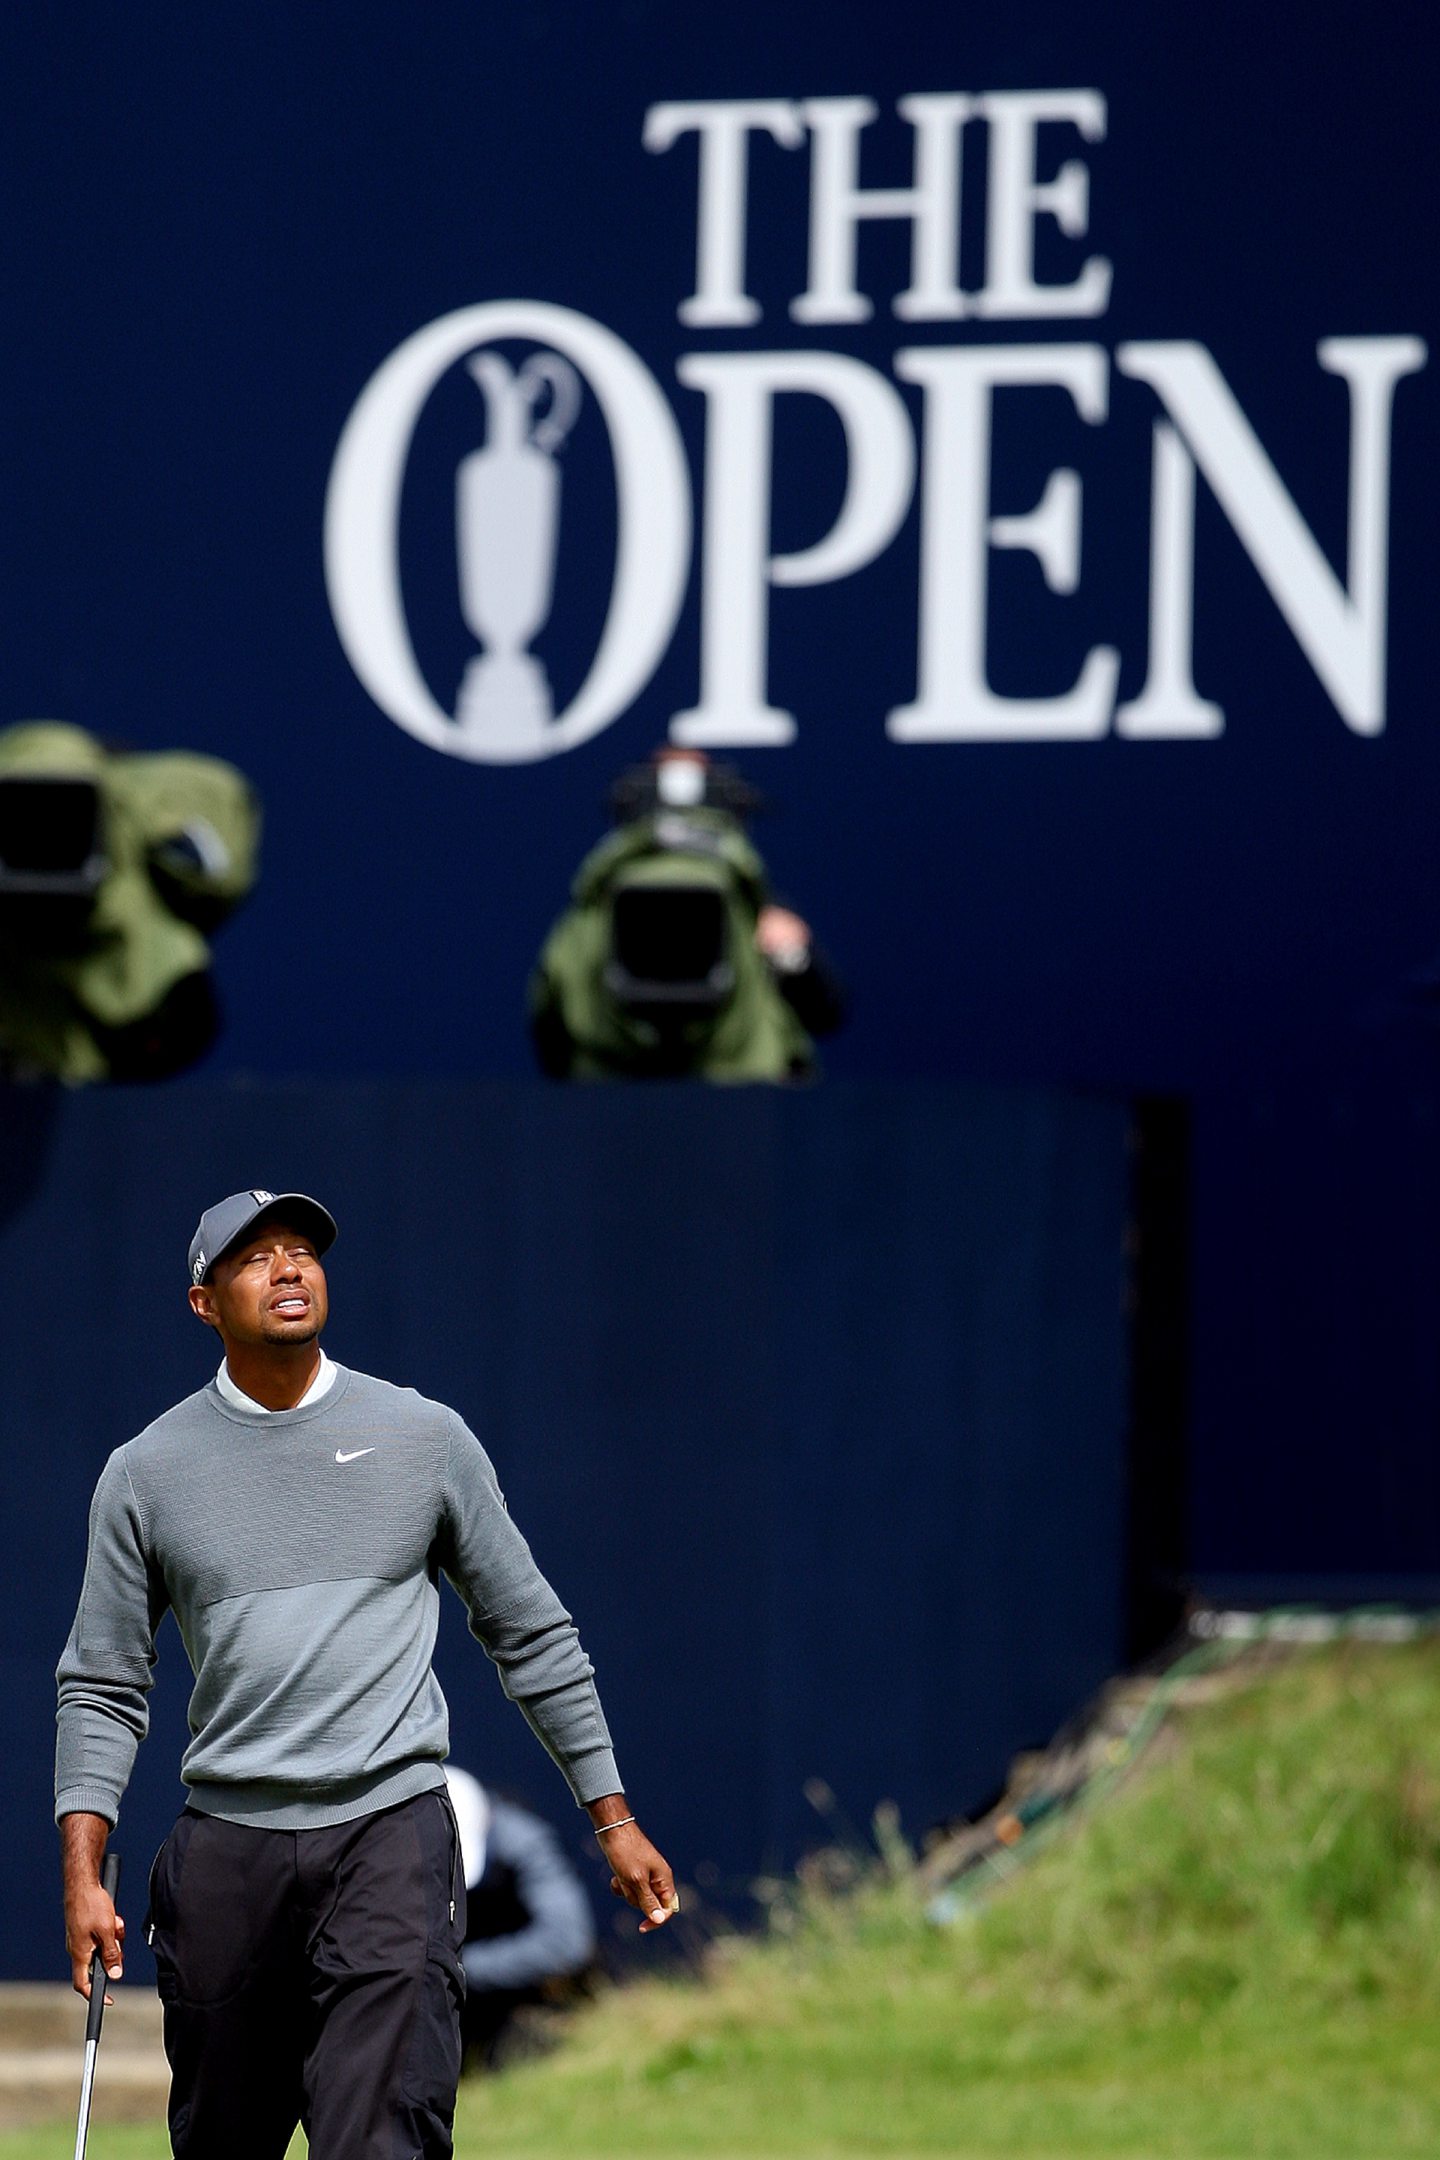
(509, 501)
(512, 501)
(506, 509)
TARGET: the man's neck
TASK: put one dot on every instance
(275, 1375)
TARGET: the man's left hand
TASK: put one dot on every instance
(641, 1875)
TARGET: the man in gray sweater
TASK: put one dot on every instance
(307, 1910)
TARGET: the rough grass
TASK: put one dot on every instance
(1238, 1955)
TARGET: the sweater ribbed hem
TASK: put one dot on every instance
(263, 1806)
(88, 1800)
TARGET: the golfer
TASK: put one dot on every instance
(308, 1908)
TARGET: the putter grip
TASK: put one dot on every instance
(109, 1883)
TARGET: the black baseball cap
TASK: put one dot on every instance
(226, 1223)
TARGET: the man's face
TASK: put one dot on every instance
(269, 1289)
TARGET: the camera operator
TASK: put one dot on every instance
(115, 867)
(673, 960)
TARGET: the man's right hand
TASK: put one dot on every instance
(91, 1921)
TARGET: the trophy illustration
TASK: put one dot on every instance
(507, 509)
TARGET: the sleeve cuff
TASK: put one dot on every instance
(593, 1778)
(87, 1800)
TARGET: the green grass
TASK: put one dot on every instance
(1238, 1955)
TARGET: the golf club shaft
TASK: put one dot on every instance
(110, 1883)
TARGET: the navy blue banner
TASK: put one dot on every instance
(1011, 441)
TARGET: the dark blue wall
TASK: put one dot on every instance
(812, 1407)
(1316, 1391)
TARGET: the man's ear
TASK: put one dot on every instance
(202, 1303)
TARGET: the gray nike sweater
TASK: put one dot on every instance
(301, 1554)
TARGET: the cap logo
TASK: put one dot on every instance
(199, 1268)
(261, 1197)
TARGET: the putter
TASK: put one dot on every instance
(110, 1883)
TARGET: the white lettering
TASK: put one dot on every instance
(1014, 199)
(955, 702)
(1340, 628)
(740, 389)
(1168, 706)
(838, 203)
(724, 126)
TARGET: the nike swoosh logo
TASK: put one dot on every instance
(353, 1454)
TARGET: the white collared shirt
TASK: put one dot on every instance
(322, 1383)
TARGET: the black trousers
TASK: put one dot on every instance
(312, 1976)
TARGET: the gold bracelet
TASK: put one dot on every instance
(618, 1824)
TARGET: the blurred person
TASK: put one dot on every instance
(673, 960)
(529, 1935)
(307, 1909)
(116, 867)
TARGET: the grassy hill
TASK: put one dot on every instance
(1238, 1954)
